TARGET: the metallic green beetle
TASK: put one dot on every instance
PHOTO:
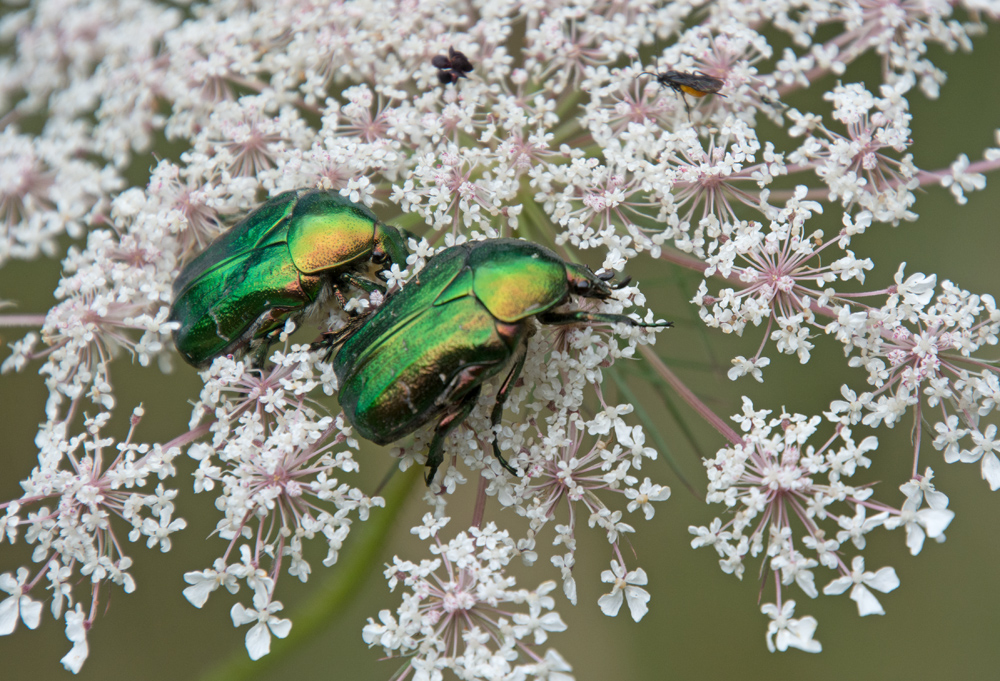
(276, 263)
(425, 353)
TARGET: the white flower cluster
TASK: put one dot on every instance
(783, 491)
(278, 479)
(116, 288)
(918, 350)
(69, 512)
(462, 612)
(572, 466)
(575, 468)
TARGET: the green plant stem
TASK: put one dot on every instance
(334, 595)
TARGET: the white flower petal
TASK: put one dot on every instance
(258, 641)
(8, 615)
(935, 522)
(637, 576)
(885, 580)
(991, 471)
(242, 615)
(637, 599)
(838, 586)
(279, 627)
(77, 655)
(199, 591)
(610, 603)
(31, 612)
(867, 603)
(915, 536)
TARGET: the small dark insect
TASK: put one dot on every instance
(452, 67)
(696, 84)
(773, 102)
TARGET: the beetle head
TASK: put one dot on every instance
(390, 245)
(583, 282)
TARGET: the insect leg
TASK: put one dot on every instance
(502, 396)
(366, 285)
(581, 317)
(454, 416)
(687, 107)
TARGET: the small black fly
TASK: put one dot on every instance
(452, 67)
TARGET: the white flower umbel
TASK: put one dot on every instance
(278, 480)
(461, 611)
(86, 491)
(796, 508)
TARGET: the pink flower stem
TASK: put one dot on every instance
(22, 320)
(685, 394)
(480, 508)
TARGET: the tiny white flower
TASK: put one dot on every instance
(885, 580)
(784, 632)
(643, 497)
(76, 632)
(18, 606)
(258, 639)
(626, 589)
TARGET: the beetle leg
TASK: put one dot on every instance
(338, 293)
(581, 317)
(330, 340)
(366, 285)
(502, 395)
(454, 416)
(351, 279)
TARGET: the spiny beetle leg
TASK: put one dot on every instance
(454, 416)
(330, 340)
(502, 396)
(581, 317)
(366, 285)
(338, 293)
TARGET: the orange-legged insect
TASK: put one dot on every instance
(696, 84)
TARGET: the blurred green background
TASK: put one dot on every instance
(702, 624)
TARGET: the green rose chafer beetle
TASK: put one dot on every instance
(278, 262)
(425, 353)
